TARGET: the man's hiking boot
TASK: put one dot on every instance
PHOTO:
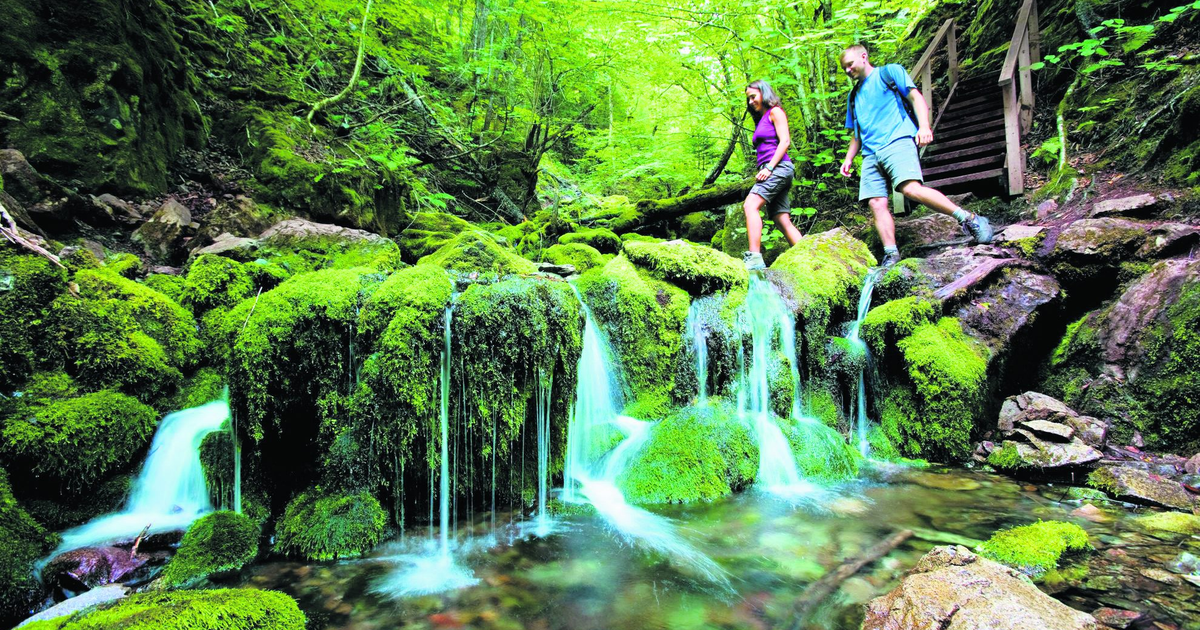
(978, 228)
(890, 259)
(753, 261)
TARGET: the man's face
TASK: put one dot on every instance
(854, 64)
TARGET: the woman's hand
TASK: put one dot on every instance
(763, 175)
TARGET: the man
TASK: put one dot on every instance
(885, 133)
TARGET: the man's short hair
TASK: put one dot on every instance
(856, 49)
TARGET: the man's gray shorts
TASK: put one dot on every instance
(775, 189)
(894, 164)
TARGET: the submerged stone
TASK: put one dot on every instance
(1140, 486)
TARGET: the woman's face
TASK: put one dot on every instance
(754, 99)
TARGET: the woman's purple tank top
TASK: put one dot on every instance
(766, 140)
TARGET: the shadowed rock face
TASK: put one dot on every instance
(952, 589)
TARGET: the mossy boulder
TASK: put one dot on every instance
(71, 444)
(886, 324)
(102, 92)
(698, 454)
(214, 281)
(821, 453)
(427, 232)
(22, 541)
(581, 257)
(476, 251)
(229, 609)
(319, 527)
(299, 245)
(1035, 549)
(216, 543)
(643, 318)
(604, 240)
(697, 269)
(31, 284)
(615, 213)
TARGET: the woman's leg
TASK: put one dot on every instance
(784, 221)
(753, 205)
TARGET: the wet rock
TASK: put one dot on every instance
(1116, 618)
(1184, 563)
(88, 568)
(1193, 465)
(1038, 454)
(1091, 513)
(563, 270)
(1052, 431)
(1159, 575)
(1042, 433)
(238, 247)
(117, 210)
(94, 597)
(931, 229)
(302, 229)
(162, 237)
(1168, 239)
(1134, 205)
(1140, 486)
(1104, 240)
(952, 589)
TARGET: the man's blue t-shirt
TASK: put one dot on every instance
(881, 116)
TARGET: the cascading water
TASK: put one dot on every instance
(860, 412)
(591, 477)
(699, 336)
(170, 491)
(766, 318)
(545, 386)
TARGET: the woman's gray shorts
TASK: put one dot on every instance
(775, 189)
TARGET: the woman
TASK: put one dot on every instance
(774, 178)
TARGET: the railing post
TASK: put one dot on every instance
(1012, 140)
(952, 52)
(1026, 78)
(1035, 35)
(927, 87)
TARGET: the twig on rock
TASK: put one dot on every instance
(824, 587)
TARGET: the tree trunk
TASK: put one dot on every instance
(719, 168)
(651, 210)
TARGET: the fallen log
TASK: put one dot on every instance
(651, 210)
(818, 591)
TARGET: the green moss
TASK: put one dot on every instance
(1028, 246)
(1173, 522)
(948, 373)
(22, 541)
(216, 543)
(167, 284)
(216, 458)
(1168, 386)
(697, 269)
(615, 213)
(698, 454)
(582, 257)
(61, 512)
(215, 281)
(427, 232)
(1006, 457)
(643, 318)
(820, 404)
(317, 527)
(904, 279)
(24, 310)
(1035, 549)
(476, 251)
(228, 609)
(127, 266)
(888, 323)
(821, 452)
(603, 240)
(72, 444)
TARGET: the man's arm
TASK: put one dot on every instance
(848, 163)
(921, 107)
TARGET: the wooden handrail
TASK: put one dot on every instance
(1016, 87)
(946, 28)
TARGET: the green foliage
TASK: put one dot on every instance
(319, 527)
(125, 265)
(229, 609)
(699, 270)
(698, 454)
(582, 257)
(24, 308)
(22, 541)
(603, 240)
(72, 444)
(216, 543)
(63, 511)
(1035, 549)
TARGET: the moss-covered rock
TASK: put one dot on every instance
(643, 318)
(582, 257)
(698, 454)
(22, 541)
(615, 213)
(427, 232)
(72, 444)
(319, 527)
(886, 324)
(1170, 522)
(1035, 549)
(215, 281)
(821, 452)
(32, 283)
(216, 543)
(229, 609)
(476, 251)
(603, 240)
(697, 269)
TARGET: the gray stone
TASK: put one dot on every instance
(1016, 232)
(1140, 486)
(1038, 453)
(1046, 208)
(1133, 205)
(1089, 430)
(163, 235)
(558, 270)
(1116, 618)
(1052, 431)
(954, 589)
(227, 243)
(94, 597)
(302, 229)
(1193, 465)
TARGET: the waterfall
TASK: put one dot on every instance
(545, 387)
(444, 423)
(170, 491)
(860, 403)
(699, 336)
(767, 319)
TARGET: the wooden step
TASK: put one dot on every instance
(982, 163)
(969, 153)
(942, 133)
(962, 143)
(962, 103)
(967, 121)
(978, 176)
(984, 105)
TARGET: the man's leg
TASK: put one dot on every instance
(978, 227)
(784, 221)
(884, 224)
(754, 224)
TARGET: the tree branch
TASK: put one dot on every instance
(337, 98)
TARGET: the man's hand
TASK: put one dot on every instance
(924, 136)
(762, 175)
(848, 167)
